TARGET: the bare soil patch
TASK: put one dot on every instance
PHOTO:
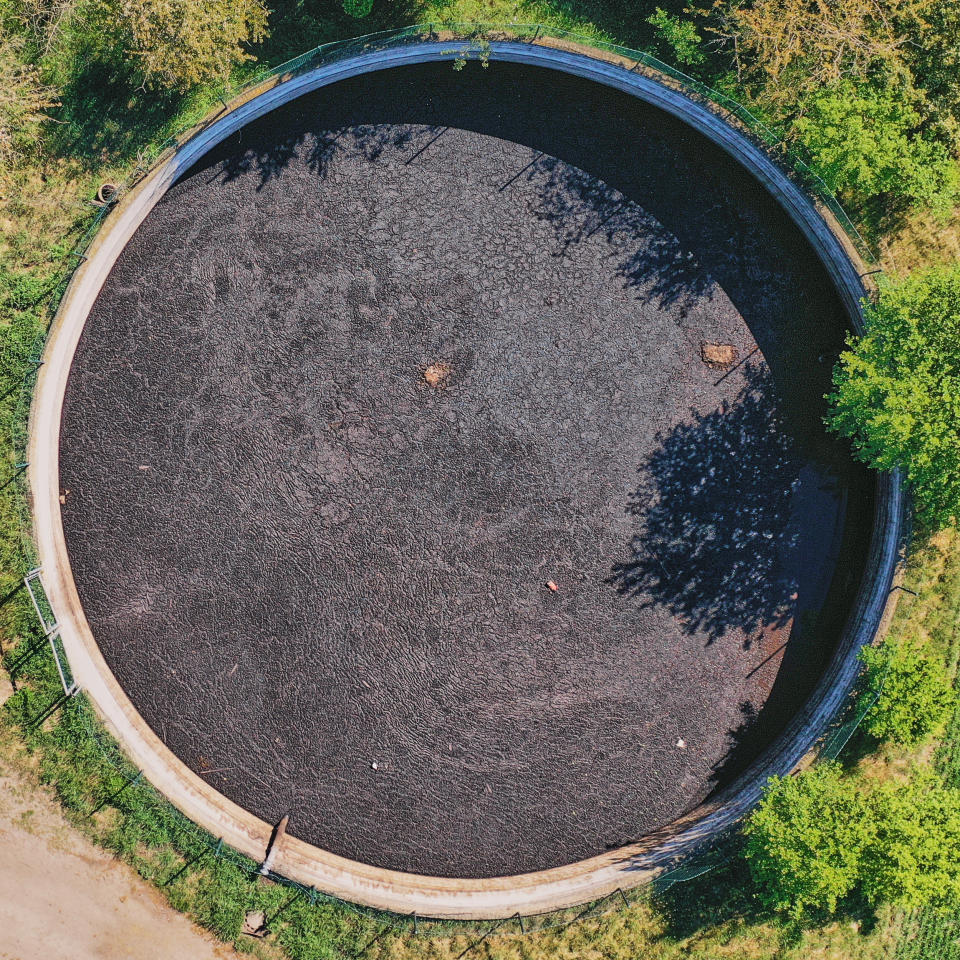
(62, 898)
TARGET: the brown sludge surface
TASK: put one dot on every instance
(323, 581)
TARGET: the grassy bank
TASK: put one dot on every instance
(935, 614)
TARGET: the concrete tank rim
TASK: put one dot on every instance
(406, 893)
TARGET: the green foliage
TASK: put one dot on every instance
(805, 840)
(24, 100)
(915, 697)
(897, 388)
(358, 8)
(912, 859)
(821, 836)
(866, 140)
(678, 37)
(871, 87)
(178, 44)
(932, 931)
(934, 58)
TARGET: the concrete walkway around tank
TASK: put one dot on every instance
(408, 893)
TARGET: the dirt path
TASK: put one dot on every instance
(61, 898)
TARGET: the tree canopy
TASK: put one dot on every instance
(870, 87)
(912, 695)
(896, 392)
(864, 140)
(821, 836)
(911, 859)
(176, 44)
(806, 839)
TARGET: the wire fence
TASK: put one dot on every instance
(80, 727)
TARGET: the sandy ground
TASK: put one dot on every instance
(62, 897)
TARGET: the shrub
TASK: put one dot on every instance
(915, 697)
(897, 388)
(865, 140)
(679, 37)
(177, 44)
(912, 859)
(358, 8)
(805, 840)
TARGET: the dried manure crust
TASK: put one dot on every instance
(385, 364)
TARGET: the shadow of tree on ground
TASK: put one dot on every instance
(712, 511)
(727, 897)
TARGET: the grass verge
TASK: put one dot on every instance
(934, 615)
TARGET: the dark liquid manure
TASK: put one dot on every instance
(383, 366)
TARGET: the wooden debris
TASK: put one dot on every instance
(278, 834)
(437, 375)
(720, 356)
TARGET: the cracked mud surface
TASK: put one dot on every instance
(301, 558)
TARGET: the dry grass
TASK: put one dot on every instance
(922, 240)
(643, 933)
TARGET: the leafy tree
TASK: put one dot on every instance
(897, 388)
(915, 697)
(805, 840)
(678, 36)
(795, 47)
(822, 835)
(912, 858)
(358, 8)
(867, 140)
(934, 57)
(176, 44)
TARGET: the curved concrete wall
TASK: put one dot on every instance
(390, 890)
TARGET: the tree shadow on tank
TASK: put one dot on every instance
(650, 259)
(682, 218)
(712, 513)
(685, 224)
(737, 534)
